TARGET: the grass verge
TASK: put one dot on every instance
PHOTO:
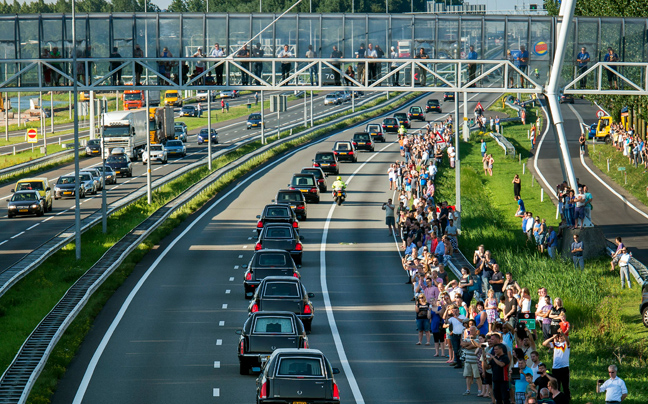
(635, 176)
(606, 325)
(23, 306)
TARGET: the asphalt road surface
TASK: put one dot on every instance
(610, 213)
(21, 235)
(168, 335)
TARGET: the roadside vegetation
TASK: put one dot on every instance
(23, 306)
(606, 325)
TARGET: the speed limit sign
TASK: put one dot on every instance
(600, 113)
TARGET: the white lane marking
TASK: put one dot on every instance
(224, 305)
(4, 242)
(227, 292)
(599, 179)
(16, 235)
(49, 218)
(31, 227)
(245, 246)
(94, 361)
(157, 168)
(236, 266)
(357, 395)
(231, 279)
(535, 158)
(216, 364)
(216, 392)
(221, 323)
(249, 238)
(240, 256)
(219, 342)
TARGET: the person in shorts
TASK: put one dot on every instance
(470, 346)
(390, 221)
(422, 309)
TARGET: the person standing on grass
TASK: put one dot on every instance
(614, 388)
(620, 250)
(491, 161)
(497, 123)
(560, 368)
(552, 243)
(577, 253)
(483, 147)
(222, 105)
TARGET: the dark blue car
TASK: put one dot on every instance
(202, 136)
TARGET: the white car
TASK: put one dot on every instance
(96, 176)
(158, 153)
(228, 94)
(201, 95)
(332, 99)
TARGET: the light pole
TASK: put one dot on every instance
(77, 179)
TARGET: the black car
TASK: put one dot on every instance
(416, 112)
(284, 293)
(433, 105)
(281, 236)
(263, 333)
(307, 184)
(189, 110)
(644, 304)
(294, 376)
(110, 177)
(391, 125)
(254, 121)
(566, 98)
(26, 203)
(121, 164)
(319, 176)
(362, 141)
(345, 151)
(266, 263)
(448, 97)
(295, 199)
(327, 161)
(202, 136)
(93, 147)
(277, 214)
(403, 119)
(376, 132)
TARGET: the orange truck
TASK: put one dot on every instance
(133, 99)
(161, 124)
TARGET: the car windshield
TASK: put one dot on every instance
(342, 146)
(400, 115)
(94, 142)
(416, 110)
(325, 157)
(255, 117)
(390, 121)
(85, 177)
(317, 173)
(65, 180)
(157, 148)
(331, 96)
(277, 212)
(132, 97)
(303, 181)
(188, 108)
(178, 129)
(172, 143)
(172, 94)
(30, 186)
(24, 196)
(289, 197)
(361, 136)
(92, 173)
(299, 367)
(272, 260)
(281, 325)
(433, 102)
(203, 132)
(373, 128)
(278, 232)
(116, 159)
(283, 289)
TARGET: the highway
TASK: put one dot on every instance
(21, 235)
(610, 213)
(168, 335)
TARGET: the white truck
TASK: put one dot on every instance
(125, 129)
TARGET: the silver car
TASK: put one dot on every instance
(158, 152)
(96, 176)
(176, 148)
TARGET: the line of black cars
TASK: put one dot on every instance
(274, 337)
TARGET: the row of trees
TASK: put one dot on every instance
(199, 6)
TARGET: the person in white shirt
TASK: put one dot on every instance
(455, 320)
(560, 367)
(614, 388)
(217, 52)
(285, 66)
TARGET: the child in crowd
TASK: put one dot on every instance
(501, 306)
(531, 389)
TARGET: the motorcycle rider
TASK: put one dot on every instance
(402, 131)
(339, 184)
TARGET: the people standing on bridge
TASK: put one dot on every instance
(313, 69)
(138, 54)
(47, 72)
(472, 67)
(258, 52)
(393, 66)
(522, 62)
(56, 76)
(244, 52)
(164, 68)
(361, 54)
(336, 54)
(285, 65)
(378, 66)
(611, 56)
(371, 54)
(582, 59)
(577, 253)
(580, 207)
(200, 64)
(421, 70)
(217, 52)
(349, 72)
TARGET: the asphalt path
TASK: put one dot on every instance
(610, 213)
(21, 235)
(168, 334)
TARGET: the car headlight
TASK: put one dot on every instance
(12, 207)
(34, 206)
(57, 189)
(88, 149)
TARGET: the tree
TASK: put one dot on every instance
(178, 6)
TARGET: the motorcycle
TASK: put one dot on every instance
(339, 196)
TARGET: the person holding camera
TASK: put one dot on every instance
(422, 309)
(388, 207)
(498, 363)
(526, 343)
(561, 350)
(614, 388)
(454, 320)
(470, 345)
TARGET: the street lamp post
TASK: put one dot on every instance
(77, 179)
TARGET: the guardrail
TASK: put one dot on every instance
(19, 378)
(28, 263)
(36, 163)
(503, 142)
(636, 267)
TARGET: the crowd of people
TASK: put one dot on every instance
(484, 323)
(630, 144)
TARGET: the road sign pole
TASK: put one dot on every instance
(311, 105)
(104, 207)
(149, 196)
(455, 128)
(77, 180)
(262, 121)
(209, 148)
